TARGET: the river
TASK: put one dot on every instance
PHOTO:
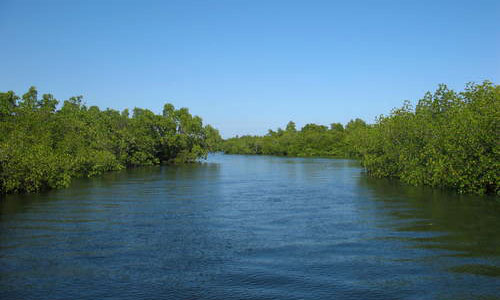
(249, 227)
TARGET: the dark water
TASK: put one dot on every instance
(249, 227)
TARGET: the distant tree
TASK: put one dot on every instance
(290, 127)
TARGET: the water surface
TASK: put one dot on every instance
(249, 227)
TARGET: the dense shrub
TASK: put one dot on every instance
(311, 140)
(448, 140)
(44, 147)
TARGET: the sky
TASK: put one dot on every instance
(248, 66)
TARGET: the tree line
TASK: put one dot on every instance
(43, 147)
(311, 140)
(449, 139)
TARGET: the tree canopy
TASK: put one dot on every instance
(44, 147)
(448, 140)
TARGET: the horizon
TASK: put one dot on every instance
(246, 67)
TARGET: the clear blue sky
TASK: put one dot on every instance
(246, 66)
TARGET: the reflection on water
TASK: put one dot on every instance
(248, 227)
(462, 226)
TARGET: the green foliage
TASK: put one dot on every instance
(448, 140)
(42, 147)
(311, 140)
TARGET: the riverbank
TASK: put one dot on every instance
(43, 147)
(447, 140)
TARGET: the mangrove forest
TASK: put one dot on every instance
(43, 146)
(448, 139)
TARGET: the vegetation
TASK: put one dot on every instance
(448, 140)
(44, 147)
(311, 140)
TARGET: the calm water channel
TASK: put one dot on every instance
(249, 227)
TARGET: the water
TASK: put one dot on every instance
(249, 227)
